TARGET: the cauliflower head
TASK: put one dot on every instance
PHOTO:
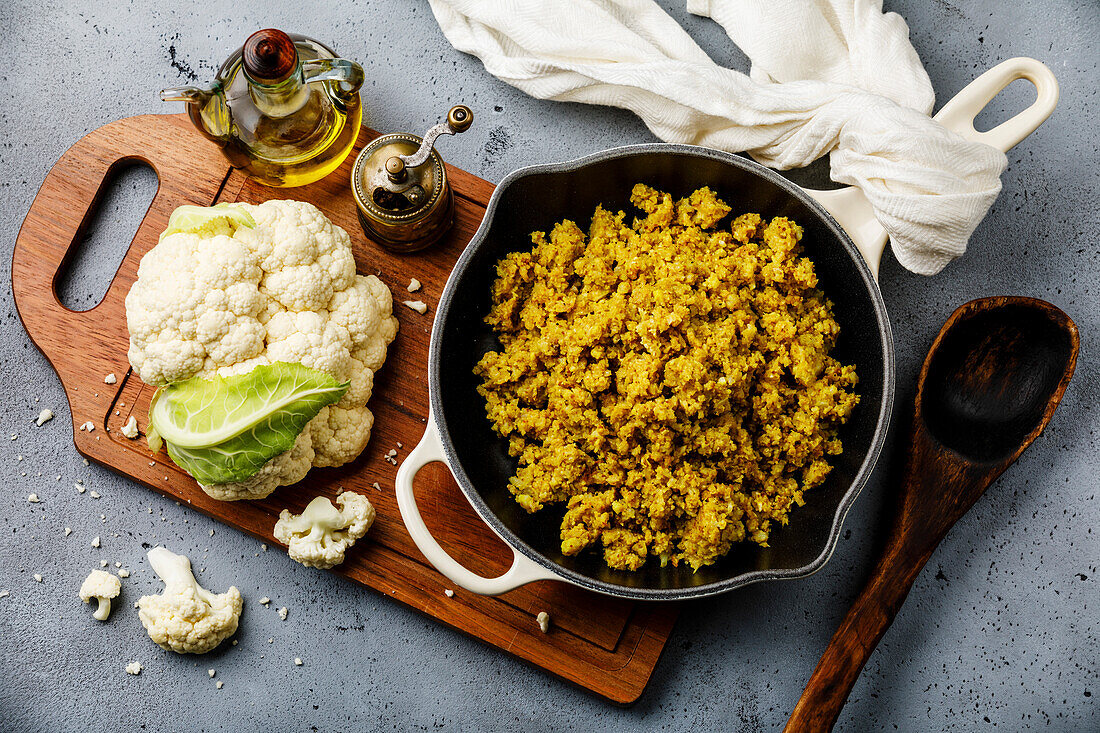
(320, 536)
(102, 586)
(186, 618)
(245, 285)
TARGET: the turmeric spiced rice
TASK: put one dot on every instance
(669, 379)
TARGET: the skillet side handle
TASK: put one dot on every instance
(523, 570)
(852, 210)
(959, 113)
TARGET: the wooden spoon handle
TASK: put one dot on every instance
(855, 640)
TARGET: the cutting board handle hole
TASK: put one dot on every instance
(109, 228)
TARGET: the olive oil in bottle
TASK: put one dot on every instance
(283, 108)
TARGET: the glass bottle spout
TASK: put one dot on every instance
(191, 95)
(206, 108)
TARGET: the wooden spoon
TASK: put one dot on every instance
(988, 387)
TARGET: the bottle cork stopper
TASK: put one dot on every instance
(269, 56)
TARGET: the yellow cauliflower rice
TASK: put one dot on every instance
(669, 379)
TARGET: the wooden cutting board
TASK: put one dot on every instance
(606, 645)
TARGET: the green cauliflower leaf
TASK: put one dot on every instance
(225, 429)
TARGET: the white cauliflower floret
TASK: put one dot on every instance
(101, 586)
(320, 536)
(187, 618)
(311, 339)
(195, 296)
(310, 258)
(361, 384)
(226, 297)
(340, 434)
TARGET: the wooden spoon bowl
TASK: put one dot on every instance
(992, 376)
(988, 387)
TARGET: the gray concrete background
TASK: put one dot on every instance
(1000, 631)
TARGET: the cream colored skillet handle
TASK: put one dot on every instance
(852, 210)
(524, 570)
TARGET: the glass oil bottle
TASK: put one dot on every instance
(283, 108)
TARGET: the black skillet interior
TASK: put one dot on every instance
(535, 200)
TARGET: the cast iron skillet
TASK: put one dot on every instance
(535, 198)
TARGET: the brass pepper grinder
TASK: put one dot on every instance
(401, 188)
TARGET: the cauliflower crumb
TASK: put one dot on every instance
(68, 531)
(94, 495)
(33, 498)
(449, 593)
(44, 417)
(211, 672)
(124, 573)
(134, 668)
(298, 661)
(264, 601)
(544, 621)
(4, 594)
(414, 285)
(89, 426)
(220, 684)
(417, 305)
(282, 613)
(130, 429)
(37, 578)
(263, 546)
(95, 541)
(110, 379)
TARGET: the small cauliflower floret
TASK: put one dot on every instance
(186, 618)
(340, 434)
(101, 586)
(319, 536)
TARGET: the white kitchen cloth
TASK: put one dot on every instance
(828, 76)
